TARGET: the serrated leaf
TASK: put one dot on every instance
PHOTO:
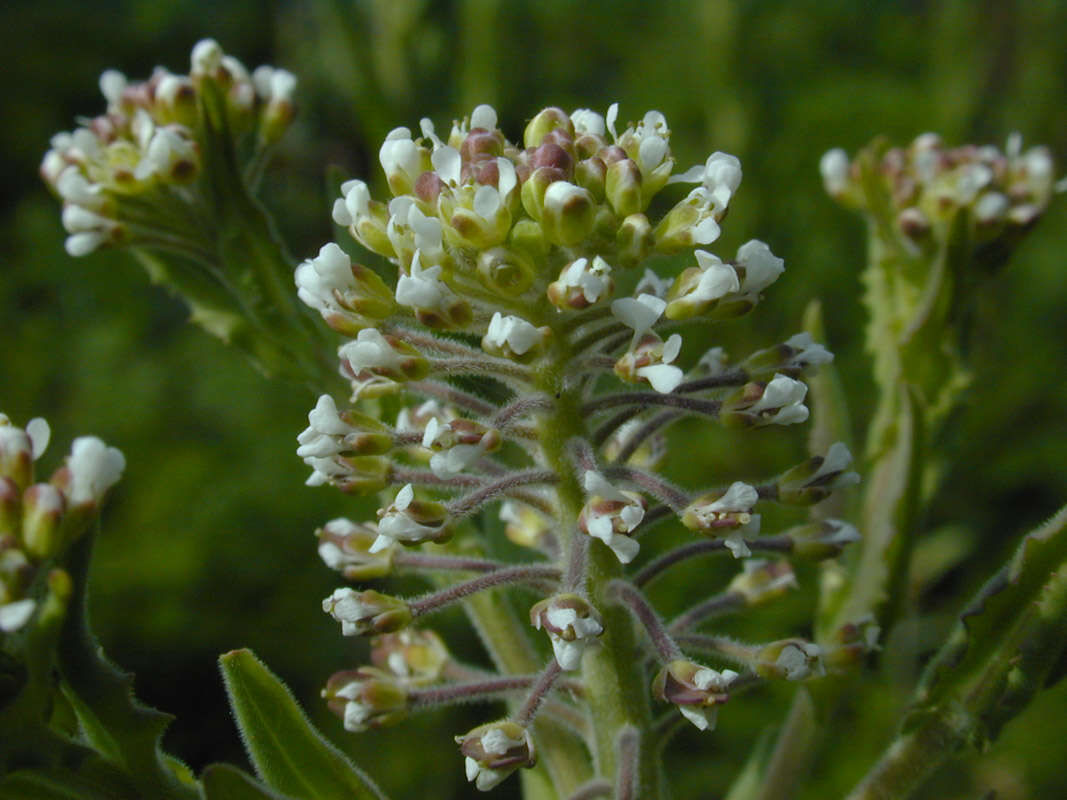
(1011, 635)
(124, 731)
(226, 782)
(289, 754)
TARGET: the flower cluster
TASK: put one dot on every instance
(130, 175)
(38, 520)
(510, 258)
(924, 185)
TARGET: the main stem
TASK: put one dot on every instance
(615, 686)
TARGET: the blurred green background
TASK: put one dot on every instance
(208, 542)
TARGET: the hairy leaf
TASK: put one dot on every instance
(226, 782)
(286, 750)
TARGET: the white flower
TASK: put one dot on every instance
(762, 267)
(319, 280)
(206, 56)
(40, 434)
(515, 333)
(611, 515)
(587, 122)
(421, 288)
(663, 377)
(837, 460)
(94, 468)
(112, 85)
(369, 350)
(344, 606)
(323, 436)
(782, 402)
(400, 156)
(353, 205)
(809, 352)
(164, 151)
(396, 525)
(274, 85)
(75, 188)
(639, 313)
(714, 682)
(799, 660)
(719, 178)
(653, 284)
(593, 279)
(483, 116)
(834, 167)
(14, 615)
(410, 230)
(569, 653)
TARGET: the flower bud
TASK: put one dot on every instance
(762, 581)
(822, 539)
(622, 187)
(349, 296)
(411, 521)
(568, 214)
(591, 174)
(351, 474)
(815, 479)
(507, 271)
(514, 338)
(345, 547)
(695, 689)
(10, 508)
(691, 222)
(792, 357)
(581, 283)
(548, 119)
(16, 571)
(415, 656)
(634, 240)
(91, 469)
(42, 517)
(791, 659)
(495, 750)
(275, 88)
(850, 643)
(536, 186)
(367, 220)
(571, 623)
(350, 433)
(367, 612)
(366, 698)
(403, 161)
(780, 401)
(14, 615)
(524, 525)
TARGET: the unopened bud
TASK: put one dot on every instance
(793, 356)
(778, 402)
(42, 516)
(821, 540)
(547, 120)
(634, 240)
(568, 214)
(699, 289)
(851, 643)
(623, 187)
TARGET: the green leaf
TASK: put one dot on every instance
(226, 782)
(1010, 639)
(57, 783)
(113, 722)
(286, 750)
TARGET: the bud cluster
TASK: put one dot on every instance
(926, 184)
(39, 521)
(509, 260)
(124, 174)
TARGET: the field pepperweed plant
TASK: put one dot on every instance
(512, 360)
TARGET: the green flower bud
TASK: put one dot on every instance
(568, 214)
(820, 540)
(507, 271)
(591, 174)
(850, 644)
(42, 517)
(549, 119)
(762, 581)
(623, 187)
(634, 240)
(528, 240)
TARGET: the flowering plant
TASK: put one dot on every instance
(510, 371)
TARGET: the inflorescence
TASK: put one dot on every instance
(505, 371)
